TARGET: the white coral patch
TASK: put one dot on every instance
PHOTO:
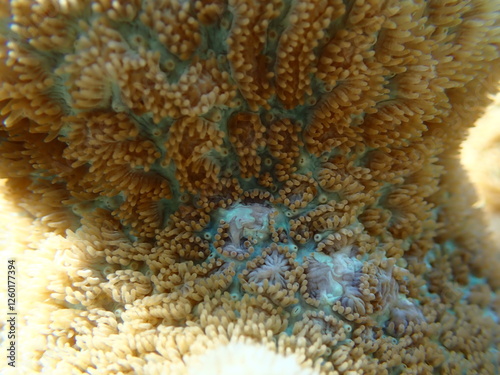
(245, 359)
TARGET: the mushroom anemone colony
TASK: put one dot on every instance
(247, 186)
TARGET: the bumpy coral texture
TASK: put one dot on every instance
(196, 180)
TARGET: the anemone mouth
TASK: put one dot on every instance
(325, 277)
(241, 228)
(273, 270)
(359, 290)
(248, 221)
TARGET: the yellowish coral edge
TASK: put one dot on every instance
(480, 156)
(14, 240)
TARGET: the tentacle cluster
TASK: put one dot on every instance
(196, 176)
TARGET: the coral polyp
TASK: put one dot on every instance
(323, 276)
(199, 179)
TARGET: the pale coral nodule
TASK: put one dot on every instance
(246, 359)
(221, 186)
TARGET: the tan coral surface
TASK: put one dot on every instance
(187, 185)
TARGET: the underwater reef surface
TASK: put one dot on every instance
(255, 187)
